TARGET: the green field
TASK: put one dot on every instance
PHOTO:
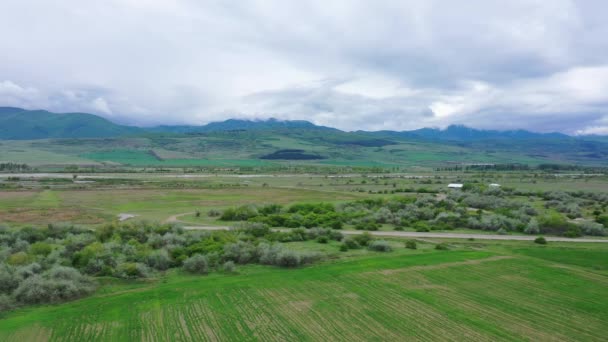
(480, 290)
(474, 292)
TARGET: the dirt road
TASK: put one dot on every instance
(438, 235)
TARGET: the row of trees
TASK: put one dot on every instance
(60, 262)
(477, 207)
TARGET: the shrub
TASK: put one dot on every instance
(532, 227)
(214, 213)
(363, 239)
(58, 284)
(254, 228)
(442, 246)
(159, 260)
(322, 239)
(132, 270)
(573, 232)
(592, 228)
(350, 243)
(540, 240)
(19, 258)
(411, 244)
(343, 247)
(241, 252)
(242, 213)
(380, 246)
(41, 248)
(8, 281)
(229, 267)
(287, 258)
(6, 303)
(27, 271)
(197, 264)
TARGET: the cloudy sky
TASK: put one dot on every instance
(533, 64)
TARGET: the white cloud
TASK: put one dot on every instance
(399, 64)
(101, 105)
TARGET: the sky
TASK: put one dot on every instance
(355, 65)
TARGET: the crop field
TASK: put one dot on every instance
(474, 292)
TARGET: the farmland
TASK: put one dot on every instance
(471, 289)
(475, 291)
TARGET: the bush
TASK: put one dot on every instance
(343, 247)
(132, 270)
(196, 264)
(350, 243)
(411, 244)
(592, 228)
(159, 260)
(41, 248)
(214, 213)
(532, 227)
(241, 252)
(6, 303)
(573, 232)
(19, 258)
(540, 240)
(242, 213)
(229, 267)
(287, 258)
(56, 285)
(254, 228)
(442, 246)
(380, 246)
(363, 239)
(8, 281)
(322, 239)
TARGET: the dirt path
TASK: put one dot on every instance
(436, 235)
(175, 218)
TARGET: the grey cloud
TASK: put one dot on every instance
(399, 64)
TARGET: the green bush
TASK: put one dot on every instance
(288, 258)
(196, 264)
(540, 240)
(442, 246)
(363, 239)
(229, 267)
(411, 244)
(380, 246)
(322, 239)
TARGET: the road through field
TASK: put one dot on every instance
(436, 235)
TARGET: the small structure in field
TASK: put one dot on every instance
(455, 186)
(494, 185)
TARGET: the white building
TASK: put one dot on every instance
(455, 186)
(494, 185)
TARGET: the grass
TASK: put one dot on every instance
(497, 293)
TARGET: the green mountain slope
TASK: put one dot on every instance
(21, 124)
(87, 139)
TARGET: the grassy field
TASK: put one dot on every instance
(159, 196)
(474, 292)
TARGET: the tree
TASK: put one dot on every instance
(197, 264)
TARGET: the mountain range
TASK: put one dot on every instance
(22, 124)
(45, 139)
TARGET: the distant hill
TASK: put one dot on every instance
(75, 139)
(22, 124)
(463, 133)
(238, 125)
